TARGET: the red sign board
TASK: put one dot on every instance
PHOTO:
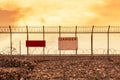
(35, 43)
(68, 43)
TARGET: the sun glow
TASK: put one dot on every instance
(28, 22)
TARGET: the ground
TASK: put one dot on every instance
(59, 68)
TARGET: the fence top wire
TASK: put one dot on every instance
(63, 29)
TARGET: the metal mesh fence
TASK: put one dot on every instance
(17, 35)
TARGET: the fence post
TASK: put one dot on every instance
(43, 39)
(10, 40)
(92, 41)
(76, 37)
(20, 48)
(59, 37)
(27, 40)
(108, 41)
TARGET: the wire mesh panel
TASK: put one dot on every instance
(114, 45)
(4, 29)
(84, 44)
(84, 29)
(18, 29)
(101, 29)
(51, 29)
(100, 43)
(4, 44)
(36, 50)
(51, 44)
(115, 29)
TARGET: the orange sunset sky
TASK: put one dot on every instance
(59, 12)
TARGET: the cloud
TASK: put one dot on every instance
(7, 17)
(107, 13)
(49, 12)
(11, 11)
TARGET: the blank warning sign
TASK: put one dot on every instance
(35, 43)
(68, 43)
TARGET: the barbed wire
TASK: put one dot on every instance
(6, 51)
(52, 50)
(63, 29)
